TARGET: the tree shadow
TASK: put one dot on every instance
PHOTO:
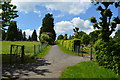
(16, 70)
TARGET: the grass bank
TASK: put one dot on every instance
(43, 52)
(71, 52)
(88, 69)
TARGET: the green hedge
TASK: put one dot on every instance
(108, 54)
(69, 44)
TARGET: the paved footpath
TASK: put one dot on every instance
(52, 65)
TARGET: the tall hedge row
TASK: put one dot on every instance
(69, 44)
(108, 54)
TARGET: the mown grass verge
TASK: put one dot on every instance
(71, 52)
(43, 52)
(88, 69)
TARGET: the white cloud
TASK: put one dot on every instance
(69, 6)
(117, 28)
(60, 15)
(77, 22)
(63, 27)
(0, 10)
(37, 11)
(28, 32)
(67, 26)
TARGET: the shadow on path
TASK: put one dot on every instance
(17, 70)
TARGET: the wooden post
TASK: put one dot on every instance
(91, 53)
(82, 51)
(34, 49)
(22, 57)
(11, 54)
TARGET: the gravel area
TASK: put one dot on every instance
(50, 66)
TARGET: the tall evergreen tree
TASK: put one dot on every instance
(24, 36)
(29, 38)
(48, 26)
(8, 13)
(3, 35)
(20, 36)
(12, 33)
(34, 36)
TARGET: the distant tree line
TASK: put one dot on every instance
(85, 38)
(9, 29)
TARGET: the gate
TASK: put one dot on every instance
(16, 54)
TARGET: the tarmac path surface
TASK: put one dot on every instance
(50, 66)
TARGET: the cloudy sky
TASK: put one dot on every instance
(67, 14)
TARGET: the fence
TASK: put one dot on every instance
(38, 48)
(79, 50)
(16, 53)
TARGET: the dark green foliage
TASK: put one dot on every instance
(24, 36)
(29, 38)
(8, 14)
(94, 35)
(108, 54)
(76, 32)
(60, 37)
(85, 39)
(3, 35)
(65, 37)
(48, 26)
(117, 35)
(106, 25)
(20, 36)
(34, 36)
(12, 33)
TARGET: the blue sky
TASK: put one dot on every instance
(67, 15)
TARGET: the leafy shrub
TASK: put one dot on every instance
(108, 54)
(69, 44)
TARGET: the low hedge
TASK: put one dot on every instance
(108, 54)
(69, 44)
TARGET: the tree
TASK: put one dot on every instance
(44, 38)
(76, 32)
(80, 34)
(48, 26)
(34, 36)
(8, 13)
(85, 39)
(60, 37)
(65, 37)
(3, 35)
(29, 38)
(117, 35)
(94, 35)
(20, 36)
(12, 33)
(24, 36)
(106, 25)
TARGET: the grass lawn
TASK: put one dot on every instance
(88, 69)
(29, 46)
(29, 51)
(71, 52)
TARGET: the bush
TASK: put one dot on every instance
(108, 54)
(69, 44)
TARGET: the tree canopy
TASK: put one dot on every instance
(107, 23)
(8, 13)
(48, 26)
